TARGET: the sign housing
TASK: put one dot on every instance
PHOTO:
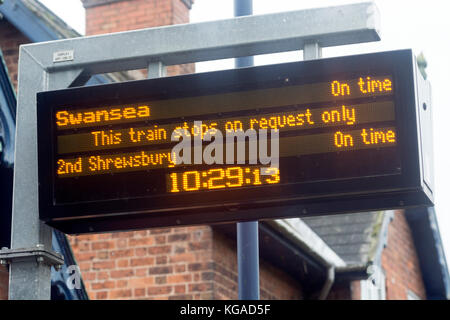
(355, 135)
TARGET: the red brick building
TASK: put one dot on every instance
(374, 255)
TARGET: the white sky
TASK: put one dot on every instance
(417, 24)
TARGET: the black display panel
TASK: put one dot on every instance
(347, 127)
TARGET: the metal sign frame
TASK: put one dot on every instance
(68, 63)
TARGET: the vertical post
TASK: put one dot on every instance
(30, 276)
(28, 280)
(312, 51)
(248, 260)
(156, 70)
(247, 232)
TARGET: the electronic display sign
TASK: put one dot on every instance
(348, 133)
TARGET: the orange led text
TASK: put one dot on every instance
(67, 118)
(369, 85)
(340, 89)
(373, 136)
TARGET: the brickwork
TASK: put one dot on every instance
(400, 261)
(400, 264)
(197, 263)
(169, 263)
(128, 15)
(10, 40)
(3, 283)
(340, 291)
(138, 14)
(159, 263)
(274, 284)
(355, 287)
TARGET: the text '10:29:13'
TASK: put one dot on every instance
(221, 178)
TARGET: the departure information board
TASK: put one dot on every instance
(108, 151)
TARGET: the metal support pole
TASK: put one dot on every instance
(247, 232)
(248, 260)
(30, 257)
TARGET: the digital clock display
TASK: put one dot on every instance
(335, 120)
(219, 178)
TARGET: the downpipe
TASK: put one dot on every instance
(328, 284)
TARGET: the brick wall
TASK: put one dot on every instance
(355, 290)
(169, 263)
(198, 263)
(130, 15)
(10, 40)
(158, 263)
(340, 291)
(274, 284)
(123, 15)
(400, 261)
(3, 283)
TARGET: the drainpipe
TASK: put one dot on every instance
(328, 284)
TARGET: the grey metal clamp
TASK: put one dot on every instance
(39, 253)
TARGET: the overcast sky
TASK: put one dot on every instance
(421, 25)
